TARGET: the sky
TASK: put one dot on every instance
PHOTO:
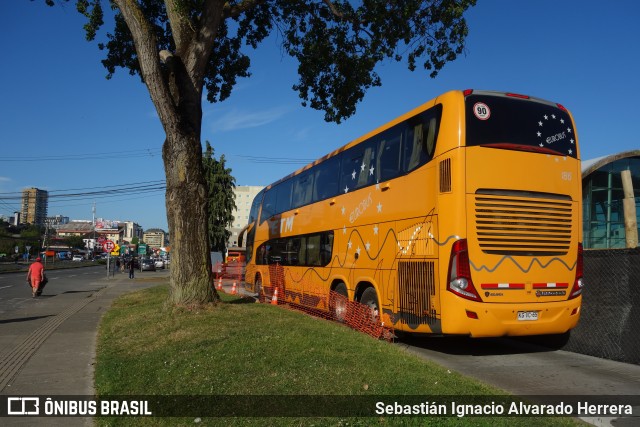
(66, 129)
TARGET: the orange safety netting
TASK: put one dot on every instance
(233, 270)
(354, 314)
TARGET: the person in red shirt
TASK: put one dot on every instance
(35, 276)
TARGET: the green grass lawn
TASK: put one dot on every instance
(253, 355)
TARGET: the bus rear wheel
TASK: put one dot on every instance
(338, 305)
(370, 299)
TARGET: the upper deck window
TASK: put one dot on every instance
(519, 124)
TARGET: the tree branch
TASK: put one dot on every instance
(146, 49)
(239, 9)
(181, 28)
(333, 9)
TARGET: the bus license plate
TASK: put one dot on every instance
(527, 315)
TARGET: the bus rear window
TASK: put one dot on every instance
(519, 124)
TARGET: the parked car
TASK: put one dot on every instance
(77, 258)
(159, 263)
(147, 265)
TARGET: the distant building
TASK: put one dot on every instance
(54, 221)
(154, 238)
(74, 228)
(35, 203)
(602, 195)
(131, 230)
(244, 197)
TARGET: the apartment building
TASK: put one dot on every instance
(35, 203)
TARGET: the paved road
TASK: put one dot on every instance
(47, 344)
(525, 369)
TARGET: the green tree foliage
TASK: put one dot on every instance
(75, 242)
(183, 48)
(221, 198)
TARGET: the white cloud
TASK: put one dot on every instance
(235, 119)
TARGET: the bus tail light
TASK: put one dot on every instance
(578, 284)
(459, 278)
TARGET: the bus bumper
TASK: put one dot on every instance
(479, 319)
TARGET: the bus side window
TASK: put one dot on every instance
(326, 248)
(421, 138)
(388, 164)
(327, 179)
(255, 206)
(268, 205)
(313, 250)
(302, 189)
(283, 201)
(356, 167)
(365, 175)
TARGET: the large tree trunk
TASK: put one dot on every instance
(186, 197)
(176, 91)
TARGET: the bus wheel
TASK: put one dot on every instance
(370, 299)
(337, 305)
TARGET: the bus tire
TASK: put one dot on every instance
(338, 306)
(370, 298)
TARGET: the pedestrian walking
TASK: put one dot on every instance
(131, 269)
(35, 277)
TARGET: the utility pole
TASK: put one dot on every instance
(93, 246)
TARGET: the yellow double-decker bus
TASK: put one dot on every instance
(462, 216)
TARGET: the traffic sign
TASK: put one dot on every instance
(116, 250)
(108, 246)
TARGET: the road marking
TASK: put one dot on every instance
(5, 287)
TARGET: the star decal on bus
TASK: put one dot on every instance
(375, 229)
(379, 207)
(371, 169)
(353, 175)
(346, 189)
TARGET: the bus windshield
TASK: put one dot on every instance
(519, 124)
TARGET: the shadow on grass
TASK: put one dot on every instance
(239, 300)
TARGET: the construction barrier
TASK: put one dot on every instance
(354, 314)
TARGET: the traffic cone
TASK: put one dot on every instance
(219, 283)
(274, 299)
(234, 291)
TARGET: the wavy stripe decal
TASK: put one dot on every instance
(535, 260)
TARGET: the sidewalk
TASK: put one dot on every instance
(62, 352)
